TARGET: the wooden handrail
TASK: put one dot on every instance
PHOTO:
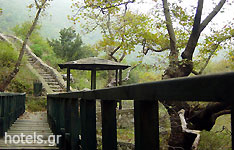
(12, 105)
(216, 88)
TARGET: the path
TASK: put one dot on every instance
(31, 125)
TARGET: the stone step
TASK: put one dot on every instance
(42, 72)
(48, 77)
(55, 86)
(46, 74)
(52, 83)
(50, 80)
(57, 90)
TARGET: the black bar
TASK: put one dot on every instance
(109, 132)
(68, 79)
(88, 124)
(146, 125)
(232, 123)
(93, 79)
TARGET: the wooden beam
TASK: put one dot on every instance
(68, 79)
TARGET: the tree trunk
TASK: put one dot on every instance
(12, 75)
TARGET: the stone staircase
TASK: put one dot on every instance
(50, 78)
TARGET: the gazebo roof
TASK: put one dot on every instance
(93, 63)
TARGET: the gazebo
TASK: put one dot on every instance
(94, 64)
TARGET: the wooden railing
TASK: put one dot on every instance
(66, 119)
(11, 107)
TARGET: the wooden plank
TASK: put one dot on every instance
(88, 124)
(146, 125)
(29, 129)
(109, 132)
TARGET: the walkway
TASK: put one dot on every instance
(35, 131)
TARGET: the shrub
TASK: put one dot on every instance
(37, 50)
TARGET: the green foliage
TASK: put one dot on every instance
(38, 44)
(218, 66)
(34, 104)
(219, 138)
(23, 80)
(143, 73)
(8, 58)
(70, 46)
(37, 50)
(22, 30)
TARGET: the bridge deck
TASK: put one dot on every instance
(33, 131)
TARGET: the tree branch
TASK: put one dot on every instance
(223, 112)
(37, 5)
(211, 15)
(174, 52)
(129, 71)
(122, 57)
(115, 50)
(113, 57)
(192, 42)
(111, 6)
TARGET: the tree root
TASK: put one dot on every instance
(185, 129)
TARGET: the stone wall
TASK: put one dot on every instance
(125, 118)
(121, 145)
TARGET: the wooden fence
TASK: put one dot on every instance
(68, 120)
(11, 107)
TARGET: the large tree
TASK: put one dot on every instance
(40, 6)
(177, 34)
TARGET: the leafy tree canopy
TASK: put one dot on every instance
(70, 46)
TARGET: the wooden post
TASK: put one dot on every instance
(146, 125)
(120, 77)
(68, 79)
(93, 79)
(109, 131)
(116, 77)
(232, 123)
(120, 83)
(88, 124)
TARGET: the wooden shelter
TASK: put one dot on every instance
(93, 64)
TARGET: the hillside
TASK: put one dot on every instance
(16, 12)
